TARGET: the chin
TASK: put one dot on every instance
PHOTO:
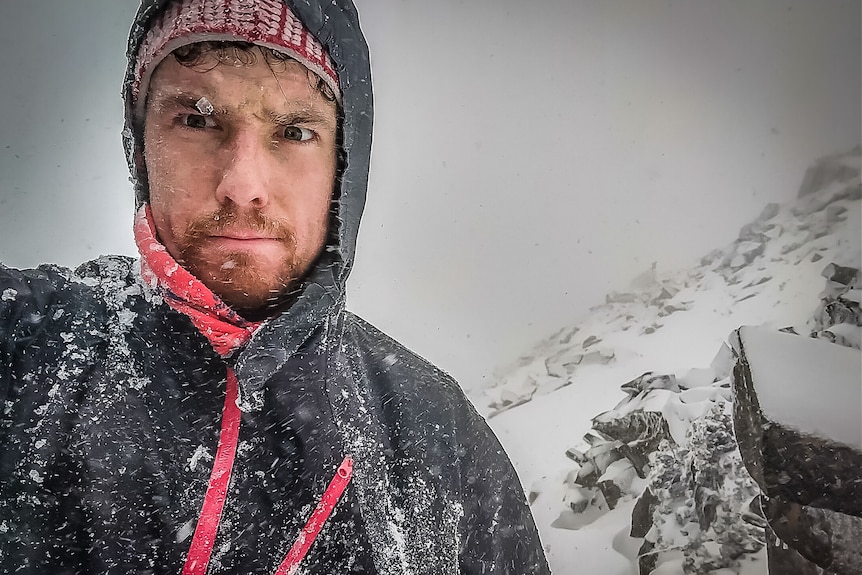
(249, 283)
(246, 290)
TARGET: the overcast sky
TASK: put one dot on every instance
(528, 156)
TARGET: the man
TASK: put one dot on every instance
(212, 407)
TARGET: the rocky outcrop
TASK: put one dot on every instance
(839, 317)
(783, 241)
(669, 443)
(804, 452)
(676, 433)
(831, 170)
(562, 358)
(542, 375)
(699, 500)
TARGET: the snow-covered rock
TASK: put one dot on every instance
(804, 449)
(659, 475)
(698, 499)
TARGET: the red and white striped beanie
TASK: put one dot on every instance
(268, 23)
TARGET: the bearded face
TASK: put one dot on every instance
(240, 188)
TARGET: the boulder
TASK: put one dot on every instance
(823, 538)
(799, 428)
(649, 380)
(642, 514)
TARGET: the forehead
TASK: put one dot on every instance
(237, 78)
(255, 71)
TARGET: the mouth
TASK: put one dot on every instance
(244, 241)
(243, 235)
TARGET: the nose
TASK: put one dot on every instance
(244, 179)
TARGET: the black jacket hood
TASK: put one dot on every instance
(335, 24)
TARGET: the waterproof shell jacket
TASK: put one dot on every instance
(112, 414)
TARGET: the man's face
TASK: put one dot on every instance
(240, 196)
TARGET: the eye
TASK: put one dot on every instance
(296, 133)
(197, 121)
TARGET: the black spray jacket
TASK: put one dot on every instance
(112, 405)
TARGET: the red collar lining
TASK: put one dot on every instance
(225, 329)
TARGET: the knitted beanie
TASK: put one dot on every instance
(267, 23)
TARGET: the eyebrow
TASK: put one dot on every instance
(304, 116)
(185, 100)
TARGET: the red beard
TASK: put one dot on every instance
(245, 280)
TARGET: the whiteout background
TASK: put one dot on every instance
(528, 156)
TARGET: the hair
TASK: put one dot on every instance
(205, 56)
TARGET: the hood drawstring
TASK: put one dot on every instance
(226, 331)
(318, 517)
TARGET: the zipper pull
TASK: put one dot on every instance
(318, 517)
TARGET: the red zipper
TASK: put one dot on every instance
(203, 540)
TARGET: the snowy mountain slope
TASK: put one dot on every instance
(670, 323)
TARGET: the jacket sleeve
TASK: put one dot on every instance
(500, 536)
(48, 333)
(25, 297)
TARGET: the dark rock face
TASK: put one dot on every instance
(788, 561)
(792, 465)
(642, 513)
(639, 433)
(824, 538)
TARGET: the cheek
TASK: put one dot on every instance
(319, 205)
(166, 220)
(310, 223)
(310, 208)
(169, 198)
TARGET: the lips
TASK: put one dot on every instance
(251, 234)
(244, 236)
(252, 241)
(246, 241)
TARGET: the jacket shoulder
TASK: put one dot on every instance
(31, 297)
(391, 360)
(52, 303)
(428, 420)
(39, 287)
(110, 277)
